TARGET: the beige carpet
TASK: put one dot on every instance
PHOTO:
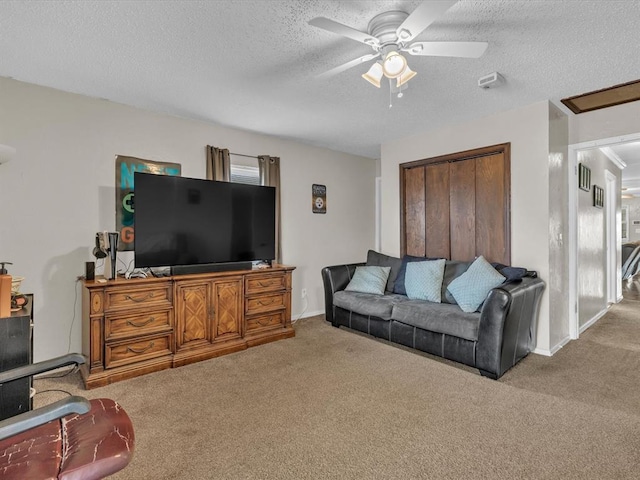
(331, 403)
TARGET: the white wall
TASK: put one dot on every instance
(60, 190)
(558, 227)
(605, 123)
(592, 261)
(634, 215)
(527, 129)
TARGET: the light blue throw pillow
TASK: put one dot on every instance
(423, 280)
(472, 287)
(369, 279)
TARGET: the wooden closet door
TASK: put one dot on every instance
(437, 214)
(492, 209)
(414, 211)
(457, 206)
(462, 198)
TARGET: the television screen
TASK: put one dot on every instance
(188, 221)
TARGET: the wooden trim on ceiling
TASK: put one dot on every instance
(606, 97)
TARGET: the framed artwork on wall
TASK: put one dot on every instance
(125, 168)
(318, 198)
(598, 196)
(584, 177)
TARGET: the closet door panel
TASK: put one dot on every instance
(462, 199)
(492, 209)
(437, 210)
(414, 211)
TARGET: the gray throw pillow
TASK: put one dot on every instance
(471, 288)
(381, 260)
(369, 280)
(452, 270)
(399, 287)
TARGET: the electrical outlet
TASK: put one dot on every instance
(303, 293)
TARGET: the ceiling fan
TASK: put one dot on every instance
(391, 33)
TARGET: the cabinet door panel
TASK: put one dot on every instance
(192, 315)
(227, 298)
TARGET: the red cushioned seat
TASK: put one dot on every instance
(75, 447)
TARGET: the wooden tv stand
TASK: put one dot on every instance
(131, 327)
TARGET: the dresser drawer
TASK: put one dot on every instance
(264, 283)
(264, 303)
(265, 321)
(144, 297)
(123, 326)
(137, 350)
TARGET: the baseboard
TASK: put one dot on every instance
(564, 341)
(593, 320)
(302, 315)
(553, 350)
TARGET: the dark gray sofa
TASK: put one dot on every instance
(491, 340)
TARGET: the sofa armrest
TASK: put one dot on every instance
(508, 324)
(336, 278)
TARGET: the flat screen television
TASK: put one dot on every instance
(181, 221)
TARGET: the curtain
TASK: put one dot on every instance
(218, 164)
(269, 169)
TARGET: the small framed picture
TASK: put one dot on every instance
(318, 198)
(584, 177)
(598, 196)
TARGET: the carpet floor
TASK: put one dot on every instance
(334, 404)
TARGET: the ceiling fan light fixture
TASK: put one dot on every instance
(374, 75)
(394, 65)
(404, 34)
(416, 49)
(407, 75)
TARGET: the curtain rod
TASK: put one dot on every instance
(242, 155)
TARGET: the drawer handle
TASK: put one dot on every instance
(268, 322)
(138, 300)
(140, 350)
(265, 304)
(138, 325)
(268, 284)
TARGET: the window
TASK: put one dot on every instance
(245, 174)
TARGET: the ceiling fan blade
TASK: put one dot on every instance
(348, 65)
(423, 16)
(447, 49)
(343, 30)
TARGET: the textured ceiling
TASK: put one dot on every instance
(252, 64)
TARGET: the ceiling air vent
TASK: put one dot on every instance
(491, 81)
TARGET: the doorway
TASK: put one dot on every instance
(613, 240)
(592, 307)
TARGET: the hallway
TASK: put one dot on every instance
(601, 368)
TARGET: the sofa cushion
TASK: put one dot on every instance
(452, 270)
(369, 280)
(471, 288)
(379, 306)
(438, 317)
(399, 285)
(423, 280)
(381, 260)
